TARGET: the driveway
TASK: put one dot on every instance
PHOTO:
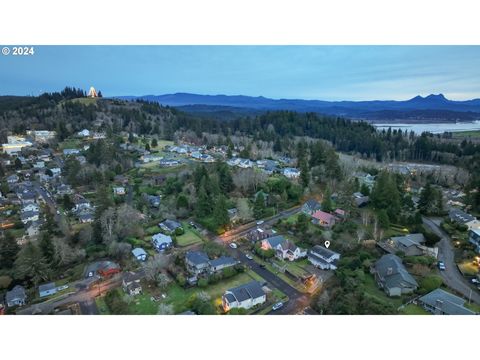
(451, 276)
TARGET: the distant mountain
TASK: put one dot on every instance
(431, 107)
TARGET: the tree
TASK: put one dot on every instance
(31, 265)
(259, 206)
(302, 223)
(8, 250)
(154, 265)
(182, 201)
(154, 143)
(364, 189)
(162, 281)
(165, 309)
(201, 303)
(383, 219)
(327, 204)
(147, 147)
(47, 248)
(244, 210)
(204, 204)
(220, 212)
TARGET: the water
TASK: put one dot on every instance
(434, 128)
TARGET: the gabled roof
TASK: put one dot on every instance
(46, 287)
(323, 252)
(446, 303)
(161, 238)
(410, 239)
(323, 216)
(312, 204)
(197, 257)
(223, 260)
(138, 252)
(18, 292)
(460, 216)
(251, 290)
(390, 268)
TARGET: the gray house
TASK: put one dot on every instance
(16, 296)
(310, 206)
(47, 289)
(440, 302)
(410, 245)
(197, 262)
(392, 277)
(221, 263)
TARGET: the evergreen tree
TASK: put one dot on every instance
(259, 206)
(8, 250)
(182, 201)
(47, 248)
(327, 204)
(204, 204)
(220, 212)
(31, 265)
(154, 143)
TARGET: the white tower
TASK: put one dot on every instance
(92, 93)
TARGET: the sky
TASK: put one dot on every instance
(292, 72)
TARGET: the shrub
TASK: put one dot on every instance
(430, 283)
(202, 283)
(181, 280)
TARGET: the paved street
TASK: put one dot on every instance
(451, 276)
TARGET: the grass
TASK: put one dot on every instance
(102, 306)
(143, 305)
(473, 307)
(70, 144)
(188, 238)
(466, 134)
(372, 290)
(411, 309)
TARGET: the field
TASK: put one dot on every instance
(413, 310)
(467, 134)
(189, 238)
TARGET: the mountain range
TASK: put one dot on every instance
(429, 108)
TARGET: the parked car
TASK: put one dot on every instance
(441, 265)
(233, 245)
(192, 224)
(260, 222)
(475, 281)
(249, 257)
(277, 306)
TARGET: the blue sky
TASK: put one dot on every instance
(307, 72)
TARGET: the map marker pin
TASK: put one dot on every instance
(327, 244)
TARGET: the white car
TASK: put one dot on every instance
(475, 281)
(277, 306)
(233, 245)
(260, 222)
(249, 257)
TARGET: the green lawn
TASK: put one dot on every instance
(372, 289)
(70, 144)
(466, 134)
(102, 307)
(468, 268)
(413, 310)
(143, 305)
(473, 307)
(189, 238)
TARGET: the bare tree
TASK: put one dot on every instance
(360, 233)
(154, 265)
(163, 281)
(245, 212)
(165, 309)
(107, 220)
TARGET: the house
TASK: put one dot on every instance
(56, 171)
(119, 190)
(16, 297)
(140, 254)
(245, 164)
(15, 146)
(440, 302)
(323, 258)
(80, 203)
(85, 218)
(33, 229)
(84, 133)
(284, 248)
(340, 214)
(162, 242)
(221, 263)
(360, 199)
(168, 162)
(42, 135)
(154, 200)
(462, 218)
(30, 207)
(259, 234)
(392, 277)
(39, 165)
(47, 289)
(151, 158)
(13, 179)
(68, 152)
(291, 173)
(102, 268)
(197, 262)
(410, 245)
(310, 206)
(474, 238)
(29, 216)
(244, 296)
(64, 189)
(170, 226)
(323, 219)
(131, 283)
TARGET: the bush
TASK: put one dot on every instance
(179, 231)
(115, 303)
(5, 281)
(181, 280)
(202, 283)
(430, 283)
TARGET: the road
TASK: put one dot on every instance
(451, 276)
(242, 230)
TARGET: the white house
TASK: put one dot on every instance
(84, 133)
(30, 207)
(131, 283)
(119, 190)
(244, 296)
(291, 173)
(284, 248)
(323, 258)
(139, 254)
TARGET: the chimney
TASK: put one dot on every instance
(389, 271)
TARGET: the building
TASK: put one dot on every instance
(323, 219)
(15, 144)
(170, 226)
(410, 245)
(140, 254)
(119, 191)
(291, 173)
(392, 277)
(84, 133)
(68, 152)
(47, 289)
(284, 248)
(197, 262)
(131, 283)
(16, 297)
(440, 302)
(29, 216)
(42, 135)
(360, 199)
(323, 258)
(162, 242)
(310, 206)
(462, 218)
(244, 296)
(474, 238)
(12, 179)
(221, 263)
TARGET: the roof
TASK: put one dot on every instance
(171, 224)
(274, 241)
(323, 216)
(460, 216)
(251, 290)
(46, 287)
(138, 252)
(312, 204)
(323, 252)
(223, 260)
(197, 257)
(161, 238)
(18, 292)
(131, 276)
(410, 239)
(390, 268)
(446, 303)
